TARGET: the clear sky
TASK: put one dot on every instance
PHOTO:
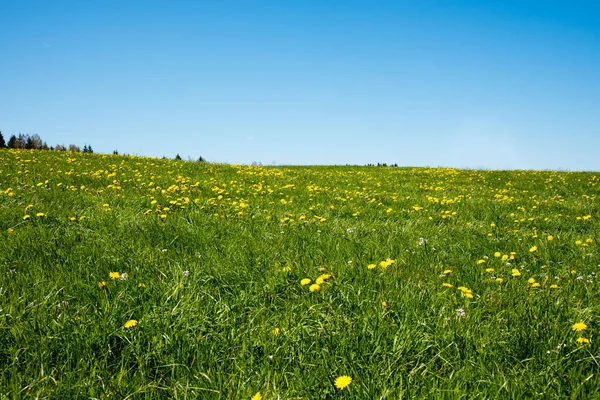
(478, 84)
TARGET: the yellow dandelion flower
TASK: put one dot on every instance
(40, 214)
(114, 275)
(579, 327)
(72, 219)
(464, 289)
(468, 295)
(577, 242)
(533, 249)
(447, 272)
(287, 268)
(531, 280)
(10, 230)
(141, 285)
(342, 381)
(305, 281)
(505, 257)
(447, 285)
(497, 254)
(515, 272)
(372, 266)
(499, 280)
(480, 262)
(314, 287)
(130, 324)
(589, 240)
(102, 285)
(319, 281)
(554, 286)
(26, 217)
(322, 269)
(489, 270)
(257, 396)
(275, 331)
(550, 238)
(582, 340)
(384, 304)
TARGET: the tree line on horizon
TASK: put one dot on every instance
(34, 142)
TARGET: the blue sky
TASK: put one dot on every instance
(476, 84)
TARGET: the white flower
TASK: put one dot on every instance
(186, 273)
(124, 276)
(460, 312)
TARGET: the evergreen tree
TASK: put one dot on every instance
(178, 157)
(12, 142)
(2, 142)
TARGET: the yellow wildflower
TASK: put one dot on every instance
(130, 324)
(582, 340)
(102, 285)
(314, 287)
(447, 285)
(342, 381)
(372, 266)
(275, 331)
(489, 270)
(579, 326)
(257, 396)
(533, 249)
(515, 272)
(497, 254)
(114, 275)
(305, 281)
(447, 271)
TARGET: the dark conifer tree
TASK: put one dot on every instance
(12, 142)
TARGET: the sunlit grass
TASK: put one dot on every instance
(124, 276)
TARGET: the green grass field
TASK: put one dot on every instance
(125, 277)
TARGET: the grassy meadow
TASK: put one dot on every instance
(129, 277)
